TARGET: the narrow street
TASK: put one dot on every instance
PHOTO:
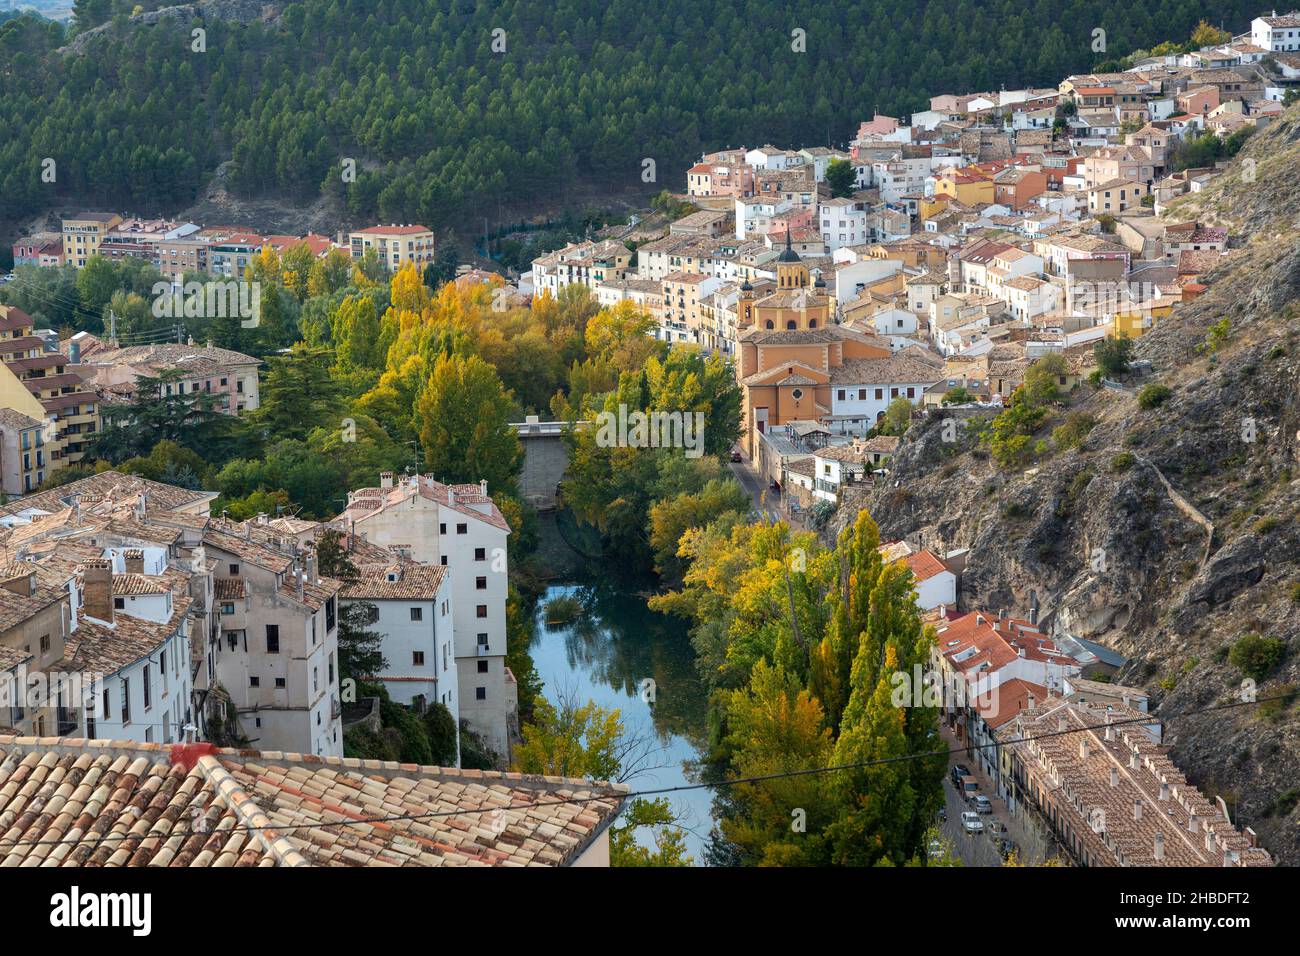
(745, 474)
(979, 849)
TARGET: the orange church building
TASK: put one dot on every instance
(788, 347)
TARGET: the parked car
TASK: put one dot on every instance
(736, 456)
(971, 822)
(943, 814)
(1006, 848)
(968, 788)
(957, 773)
(10, 277)
(981, 803)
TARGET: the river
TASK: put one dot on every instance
(607, 655)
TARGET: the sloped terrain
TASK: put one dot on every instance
(1193, 505)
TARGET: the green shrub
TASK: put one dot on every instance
(1255, 656)
(562, 610)
(1072, 432)
(1153, 395)
(1265, 525)
(440, 728)
(1123, 461)
(1295, 592)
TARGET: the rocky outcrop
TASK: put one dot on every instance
(206, 11)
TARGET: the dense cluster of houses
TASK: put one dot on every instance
(131, 613)
(980, 235)
(1061, 745)
(52, 390)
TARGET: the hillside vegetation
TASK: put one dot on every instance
(447, 130)
(1192, 500)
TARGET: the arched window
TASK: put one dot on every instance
(769, 324)
(790, 324)
(812, 323)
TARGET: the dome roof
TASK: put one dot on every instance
(789, 255)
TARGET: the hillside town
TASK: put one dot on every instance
(928, 265)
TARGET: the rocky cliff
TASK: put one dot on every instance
(1171, 531)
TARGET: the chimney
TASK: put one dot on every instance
(309, 561)
(1160, 846)
(1032, 702)
(482, 487)
(133, 561)
(1137, 809)
(261, 517)
(1164, 791)
(1060, 723)
(1114, 776)
(97, 582)
(1083, 749)
(1191, 823)
(385, 479)
(1033, 608)
(301, 577)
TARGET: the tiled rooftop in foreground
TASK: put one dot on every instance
(66, 802)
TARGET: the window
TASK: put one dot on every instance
(417, 658)
(880, 393)
(442, 528)
(126, 700)
(480, 554)
(443, 560)
(228, 609)
(483, 642)
(462, 528)
(417, 614)
(273, 638)
(106, 713)
(119, 603)
(148, 688)
(45, 643)
(279, 682)
(480, 693)
(234, 569)
(254, 682)
(482, 667)
(481, 611)
(480, 584)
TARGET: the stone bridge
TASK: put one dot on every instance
(546, 458)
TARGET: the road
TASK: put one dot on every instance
(978, 849)
(750, 481)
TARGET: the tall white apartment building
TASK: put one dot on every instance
(461, 528)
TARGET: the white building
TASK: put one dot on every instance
(131, 630)
(460, 527)
(413, 614)
(1278, 34)
(861, 389)
(843, 222)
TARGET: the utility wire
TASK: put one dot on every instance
(658, 791)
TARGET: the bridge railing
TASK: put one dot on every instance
(538, 428)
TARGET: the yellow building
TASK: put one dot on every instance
(931, 206)
(83, 233)
(395, 245)
(1139, 319)
(967, 188)
(38, 384)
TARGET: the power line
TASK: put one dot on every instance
(660, 791)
